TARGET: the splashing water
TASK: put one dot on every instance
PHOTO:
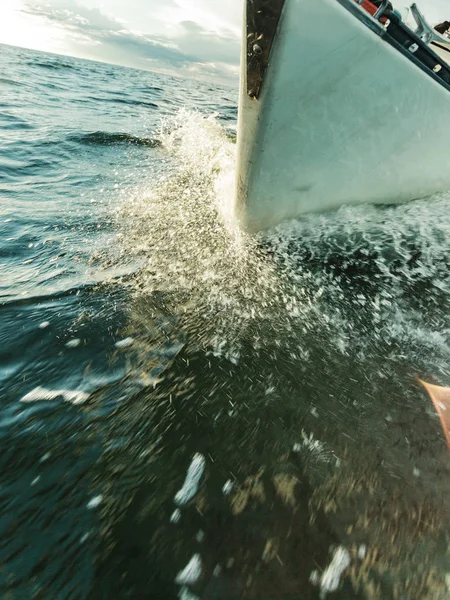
(312, 331)
(287, 360)
(195, 254)
(380, 271)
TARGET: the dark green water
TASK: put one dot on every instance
(176, 394)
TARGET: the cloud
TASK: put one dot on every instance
(192, 49)
(202, 43)
(62, 13)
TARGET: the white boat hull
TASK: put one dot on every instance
(342, 118)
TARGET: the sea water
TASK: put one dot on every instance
(188, 411)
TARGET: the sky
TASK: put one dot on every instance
(194, 38)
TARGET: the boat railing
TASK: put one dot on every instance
(376, 9)
(392, 29)
(425, 31)
(382, 8)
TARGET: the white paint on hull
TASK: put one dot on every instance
(343, 118)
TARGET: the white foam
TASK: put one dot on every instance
(191, 572)
(331, 577)
(200, 536)
(314, 577)
(186, 594)
(313, 446)
(235, 284)
(41, 393)
(175, 516)
(124, 343)
(447, 581)
(94, 502)
(73, 343)
(192, 481)
(228, 486)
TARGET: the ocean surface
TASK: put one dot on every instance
(188, 411)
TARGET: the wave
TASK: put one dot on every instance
(55, 65)
(104, 138)
(133, 102)
(127, 102)
(151, 88)
(11, 121)
(38, 299)
(13, 82)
